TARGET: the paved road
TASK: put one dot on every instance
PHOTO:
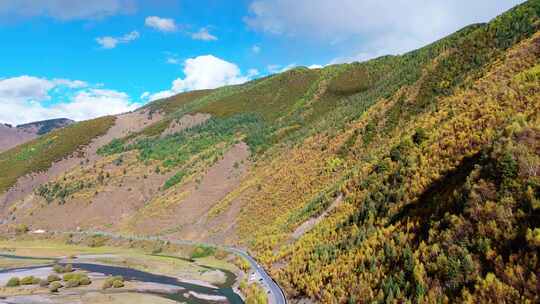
(276, 295)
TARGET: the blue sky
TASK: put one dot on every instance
(71, 58)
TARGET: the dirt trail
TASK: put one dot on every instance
(223, 226)
(309, 224)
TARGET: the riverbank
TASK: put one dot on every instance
(161, 272)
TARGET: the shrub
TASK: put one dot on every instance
(72, 283)
(508, 166)
(54, 286)
(221, 254)
(107, 284)
(116, 282)
(68, 268)
(157, 249)
(69, 276)
(369, 132)
(63, 269)
(243, 284)
(29, 280)
(399, 152)
(175, 179)
(85, 281)
(114, 147)
(97, 240)
(76, 279)
(13, 282)
(241, 263)
(202, 251)
(420, 136)
(58, 268)
(21, 229)
(53, 278)
(253, 292)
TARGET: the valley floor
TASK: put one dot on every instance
(151, 277)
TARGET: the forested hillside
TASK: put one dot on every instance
(403, 179)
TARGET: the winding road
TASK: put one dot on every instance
(275, 293)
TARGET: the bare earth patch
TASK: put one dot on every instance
(188, 217)
(11, 137)
(187, 121)
(103, 206)
(124, 125)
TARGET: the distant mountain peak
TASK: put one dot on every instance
(11, 136)
(45, 126)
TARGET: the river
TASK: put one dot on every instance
(187, 292)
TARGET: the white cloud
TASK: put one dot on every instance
(288, 67)
(72, 84)
(273, 68)
(65, 9)
(109, 42)
(161, 24)
(256, 49)
(205, 72)
(315, 66)
(203, 34)
(161, 95)
(252, 73)
(361, 56)
(369, 27)
(95, 103)
(276, 68)
(145, 95)
(25, 87)
(27, 98)
(173, 60)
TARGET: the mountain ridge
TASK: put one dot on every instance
(45, 126)
(13, 136)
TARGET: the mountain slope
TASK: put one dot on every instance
(10, 137)
(13, 136)
(403, 178)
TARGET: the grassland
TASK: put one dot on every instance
(39, 154)
(171, 104)
(271, 97)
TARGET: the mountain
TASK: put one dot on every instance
(12, 136)
(412, 178)
(45, 126)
